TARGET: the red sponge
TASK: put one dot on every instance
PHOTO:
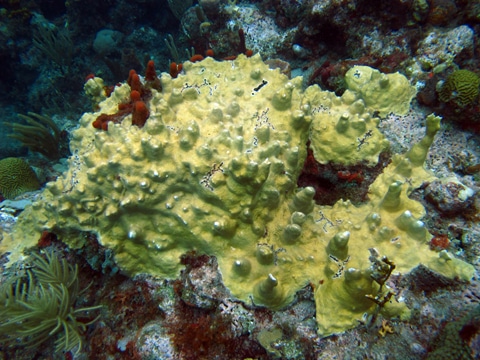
(140, 113)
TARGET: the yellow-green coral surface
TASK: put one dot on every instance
(384, 93)
(214, 170)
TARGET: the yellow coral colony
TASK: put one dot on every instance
(214, 170)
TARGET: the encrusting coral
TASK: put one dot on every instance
(41, 306)
(215, 168)
(16, 178)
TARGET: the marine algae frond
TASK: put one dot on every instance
(41, 306)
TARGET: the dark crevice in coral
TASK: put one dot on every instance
(333, 182)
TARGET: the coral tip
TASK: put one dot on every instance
(196, 57)
(135, 95)
(140, 114)
(175, 69)
(150, 73)
(210, 53)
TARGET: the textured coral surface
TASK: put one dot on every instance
(16, 177)
(214, 169)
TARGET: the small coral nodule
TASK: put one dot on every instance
(461, 87)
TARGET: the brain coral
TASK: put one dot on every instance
(214, 169)
(461, 87)
(16, 177)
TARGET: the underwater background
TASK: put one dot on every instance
(62, 301)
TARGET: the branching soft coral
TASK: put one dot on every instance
(40, 135)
